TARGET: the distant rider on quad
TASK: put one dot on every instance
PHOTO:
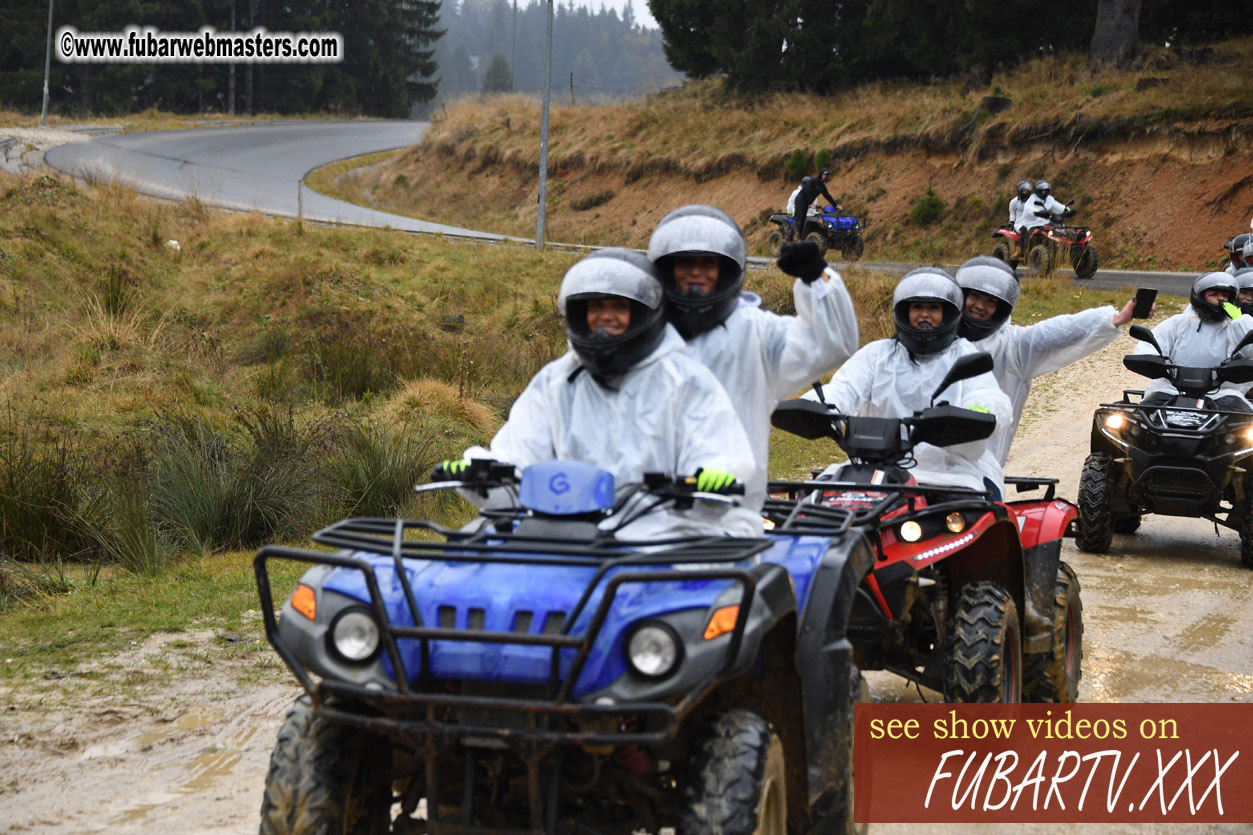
(896, 377)
(810, 189)
(626, 398)
(1023, 218)
(1022, 353)
(1203, 335)
(1049, 203)
(759, 357)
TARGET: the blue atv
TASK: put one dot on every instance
(827, 229)
(538, 672)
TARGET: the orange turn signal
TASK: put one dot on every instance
(722, 622)
(304, 601)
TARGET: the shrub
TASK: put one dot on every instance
(822, 159)
(42, 474)
(797, 164)
(373, 469)
(401, 181)
(927, 209)
(211, 490)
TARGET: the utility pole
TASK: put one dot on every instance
(43, 118)
(543, 131)
(513, 57)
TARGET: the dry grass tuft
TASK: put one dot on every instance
(430, 401)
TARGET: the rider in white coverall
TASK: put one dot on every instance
(896, 377)
(1022, 353)
(759, 357)
(627, 398)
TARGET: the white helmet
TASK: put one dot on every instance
(1213, 281)
(698, 230)
(927, 284)
(621, 273)
(993, 277)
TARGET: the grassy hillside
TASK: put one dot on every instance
(1156, 158)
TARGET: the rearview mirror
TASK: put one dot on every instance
(971, 365)
(1248, 339)
(805, 418)
(1143, 334)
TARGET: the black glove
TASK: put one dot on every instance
(802, 260)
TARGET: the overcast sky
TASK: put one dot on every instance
(642, 15)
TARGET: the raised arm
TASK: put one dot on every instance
(1057, 342)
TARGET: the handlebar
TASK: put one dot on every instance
(485, 474)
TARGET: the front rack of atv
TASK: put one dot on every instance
(1127, 405)
(396, 711)
(798, 514)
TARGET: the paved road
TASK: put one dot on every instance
(1175, 284)
(260, 168)
(253, 168)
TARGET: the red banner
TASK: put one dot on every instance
(1069, 763)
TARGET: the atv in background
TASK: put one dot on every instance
(1186, 457)
(968, 595)
(1049, 245)
(538, 673)
(826, 228)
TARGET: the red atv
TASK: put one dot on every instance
(952, 568)
(1049, 244)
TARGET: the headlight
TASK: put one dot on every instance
(355, 635)
(653, 650)
(911, 531)
(955, 522)
(1115, 421)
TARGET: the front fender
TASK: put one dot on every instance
(1041, 526)
(773, 601)
(824, 659)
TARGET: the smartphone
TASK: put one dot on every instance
(1144, 303)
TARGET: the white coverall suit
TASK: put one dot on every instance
(667, 414)
(882, 380)
(762, 358)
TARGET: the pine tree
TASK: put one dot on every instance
(498, 78)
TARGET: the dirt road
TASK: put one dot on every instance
(1169, 618)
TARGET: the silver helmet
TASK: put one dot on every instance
(927, 284)
(1208, 311)
(621, 273)
(1244, 282)
(992, 277)
(1024, 189)
(1043, 188)
(695, 231)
